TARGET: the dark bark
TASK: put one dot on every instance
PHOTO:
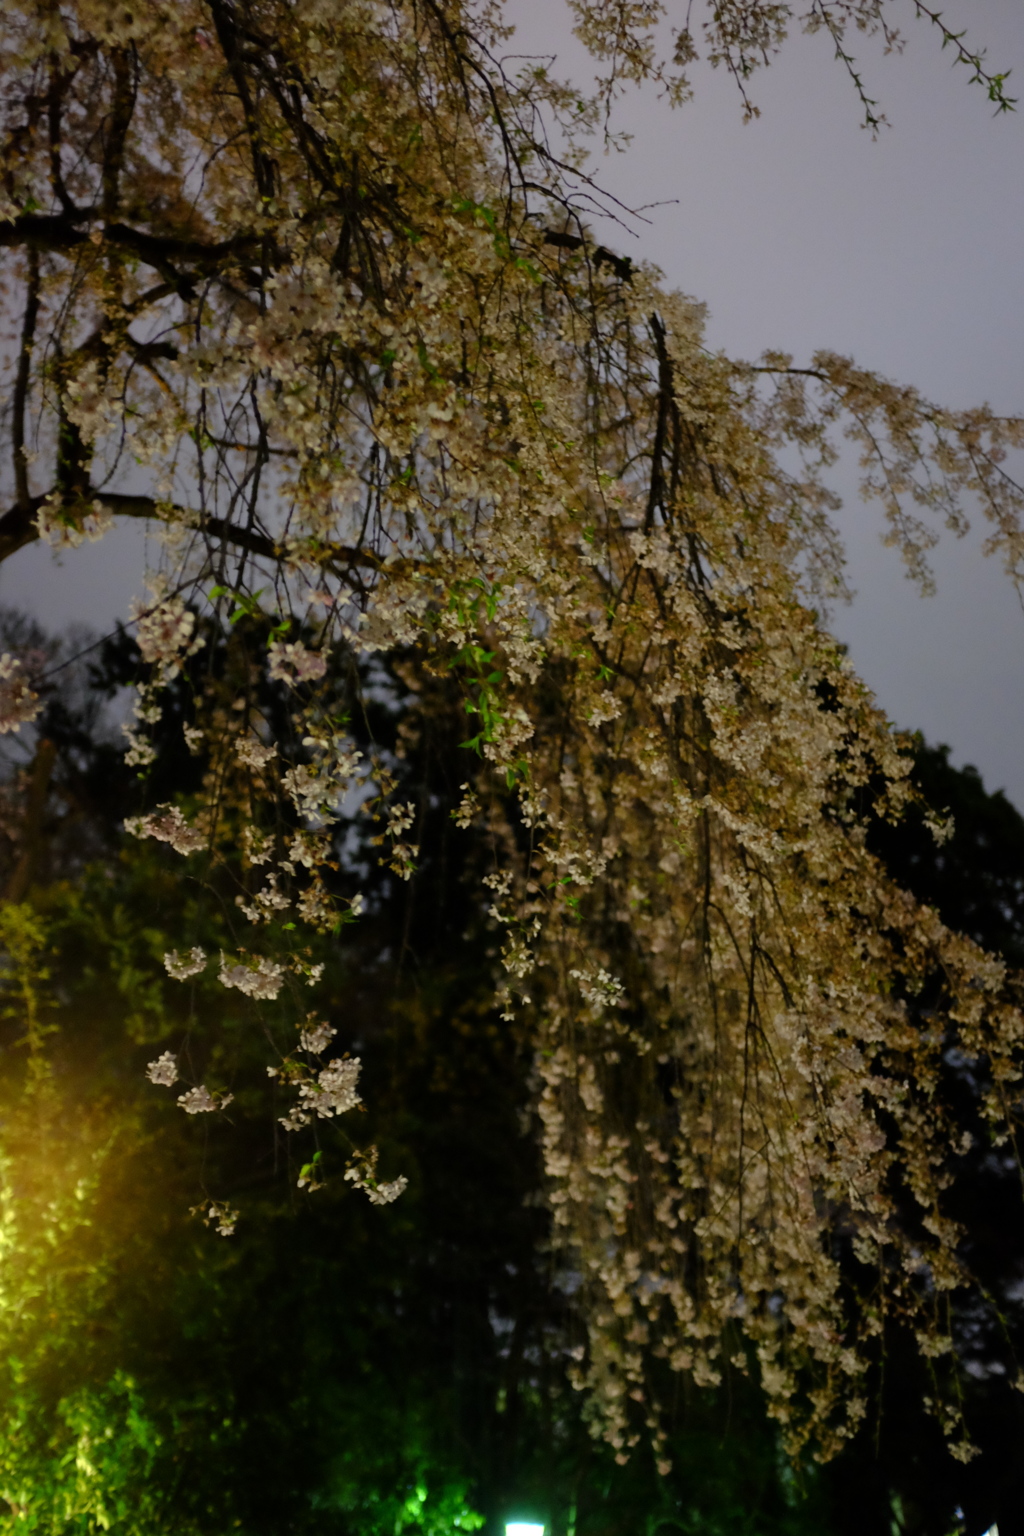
(21, 382)
(18, 528)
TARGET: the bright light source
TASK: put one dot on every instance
(523, 1528)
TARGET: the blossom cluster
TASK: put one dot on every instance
(167, 825)
(19, 704)
(293, 663)
(260, 979)
(182, 967)
(164, 1070)
(362, 1172)
(165, 630)
(331, 1091)
(200, 1101)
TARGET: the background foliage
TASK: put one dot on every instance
(335, 1367)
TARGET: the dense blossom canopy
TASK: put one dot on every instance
(304, 284)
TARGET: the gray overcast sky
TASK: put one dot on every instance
(799, 232)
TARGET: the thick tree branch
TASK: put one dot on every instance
(622, 266)
(62, 232)
(59, 82)
(21, 382)
(46, 231)
(226, 24)
(18, 528)
(120, 122)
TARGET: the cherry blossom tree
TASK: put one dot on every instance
(308, 287)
